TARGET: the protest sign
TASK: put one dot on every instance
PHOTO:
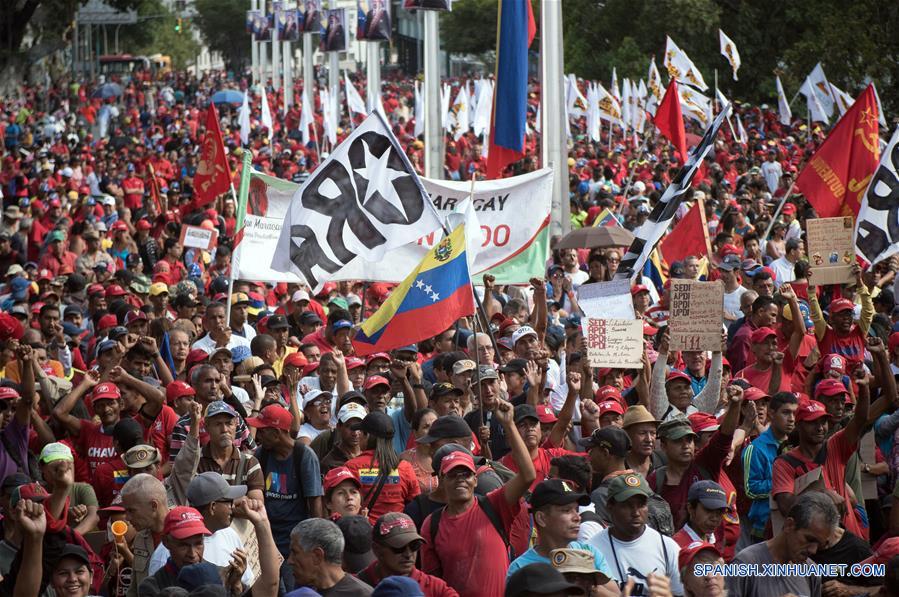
(513, 216)
(831, 250)
(606, 300)
(616, 343)
(696, 309)
(247, 534)
(194, 237)
(866, 454)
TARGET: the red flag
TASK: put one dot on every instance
(213, 177)
(670, 121)
(689, 237)
(154, 188)
(836, 177)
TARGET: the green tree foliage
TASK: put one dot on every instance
(470, 28)
(155, 33)
(223, 26)
(854, 41)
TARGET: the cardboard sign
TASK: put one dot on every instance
(606, 300)
(246, 532)
(810, 481)
(695, 314)
(194, 237)
(616, 343)
(831, 250)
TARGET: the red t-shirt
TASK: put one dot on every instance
(851, 346)
(838, 453)
(711, 459)
(541, 462)
(400, 488)
(95, 446)
(159, 430)
(762, 378)
(467, 552)
(109, 479)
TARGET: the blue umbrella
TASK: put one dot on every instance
(227, 96)
(107, 90)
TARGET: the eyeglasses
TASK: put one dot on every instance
(459, 473)
(412, 546)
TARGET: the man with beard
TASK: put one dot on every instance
(395, 544)
(817, 450)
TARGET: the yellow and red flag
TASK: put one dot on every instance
(836, 177)
(213, 177)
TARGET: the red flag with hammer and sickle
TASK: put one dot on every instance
(213, 177)
(836, 177)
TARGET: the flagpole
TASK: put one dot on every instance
(554, 140)
(715, 99)
(433, 131)
(276, 54)
(777, 211)
(238, 228)
(254, 50)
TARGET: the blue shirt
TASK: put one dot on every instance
(285, 495)
(532, 557)
(758, 466)
(402, 429)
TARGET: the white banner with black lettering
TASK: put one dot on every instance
(877, 226)
(363, 201)
(647, 236)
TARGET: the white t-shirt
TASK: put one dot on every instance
(644, 554)
(577, 278)
(307, 430)
(784, 270)
(207, 344)
(589, 528)
(732, 302)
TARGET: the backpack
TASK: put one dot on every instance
(485, 505)
(820, 458)
(299, 454)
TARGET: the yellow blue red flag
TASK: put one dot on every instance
(428, 302)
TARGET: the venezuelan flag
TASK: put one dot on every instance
(427, 303)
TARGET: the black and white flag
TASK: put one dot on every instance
(877, 226)
(363, 201)
(647, 236)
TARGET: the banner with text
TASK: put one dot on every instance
(696, 310)
(513, 215)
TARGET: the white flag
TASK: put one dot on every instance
(609, 107)
(575, 101)
(593, 118)
(329, 115)
(680, 67)
(419, 112)
(484, 108)
(306, 118)
(538, 124)
(876, 234)
(626, 104)
(379, 106)
(816, 110)
(695, 105)
(458, 114)
(729, 51)
(817, 81)
(842, 99)
(267, 115)
(881, 117)
(742, 137)
(783, 106)
(638, 116)
(244, 118)
(353, 99)
(444, 105)
(614, 88)
(362, 201)
(473, 95)
(654, 85)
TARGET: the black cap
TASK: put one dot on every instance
(444, 427)
(268, 380)
(184, 300)
(14, 480)
(117, 332)
(308, 318)
(514, 366)
(540, 579)
(357, 552)
(74, 551)
(556, 492)
(613, 439)
(375, 423)
(525, 411)
(443, 388)
(277, 322)
(352, 396)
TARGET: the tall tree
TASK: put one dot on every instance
(222, 24)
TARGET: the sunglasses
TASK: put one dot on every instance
(412, 546)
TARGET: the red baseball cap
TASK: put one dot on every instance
(607, 393)
(841, 304)
(810, 411)
(456, 459)
(376, 356)
(106, 391)
(107, 321)
(761, 334)
(309, 368)
(753, 393)
(545, 414)
(195, 356)
(118, 226)
(8, 393)
(133, 316)
(115, 290)
(95, 289)
(274, 416)
(143, 225)
(726, 250)
(689, 552)
(830, 387)
(638, 289)
(703, 422)
(183, 521)
(610, 406)
(884, 553)
(296, 359)
(788, 209)
(177, 389)
(675, 374)
(375, 380)
(649, 329)
(10, 328)
(354, 363)
(338, 475)
(893, 342)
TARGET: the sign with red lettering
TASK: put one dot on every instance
(695, 312)
(616, 343)
(194, 237)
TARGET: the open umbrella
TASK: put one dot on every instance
(596, 237)
(107, 90)
(227, 96)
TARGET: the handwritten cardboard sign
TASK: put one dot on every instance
(194, 237)
(606, 300)
(247, 534)
(695, 314)
(831, 250)
(616, 343)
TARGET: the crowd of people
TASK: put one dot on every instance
(163, 434)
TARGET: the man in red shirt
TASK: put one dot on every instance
(462, 546)
(133, 187)
(686, 465)
(395, 544)
(58, 259)
(842, 336)
(336, 334)
(815, 451)
(767, 373)
(763, 314)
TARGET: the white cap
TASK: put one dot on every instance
(108, 200)
(351, 410)
(639, 187)
(313, 395)
(67, 172)
(521, 332)
(300, 295)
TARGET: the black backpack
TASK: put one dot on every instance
(485, 505)
(299, 453)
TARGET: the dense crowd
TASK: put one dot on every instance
(163, 434)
